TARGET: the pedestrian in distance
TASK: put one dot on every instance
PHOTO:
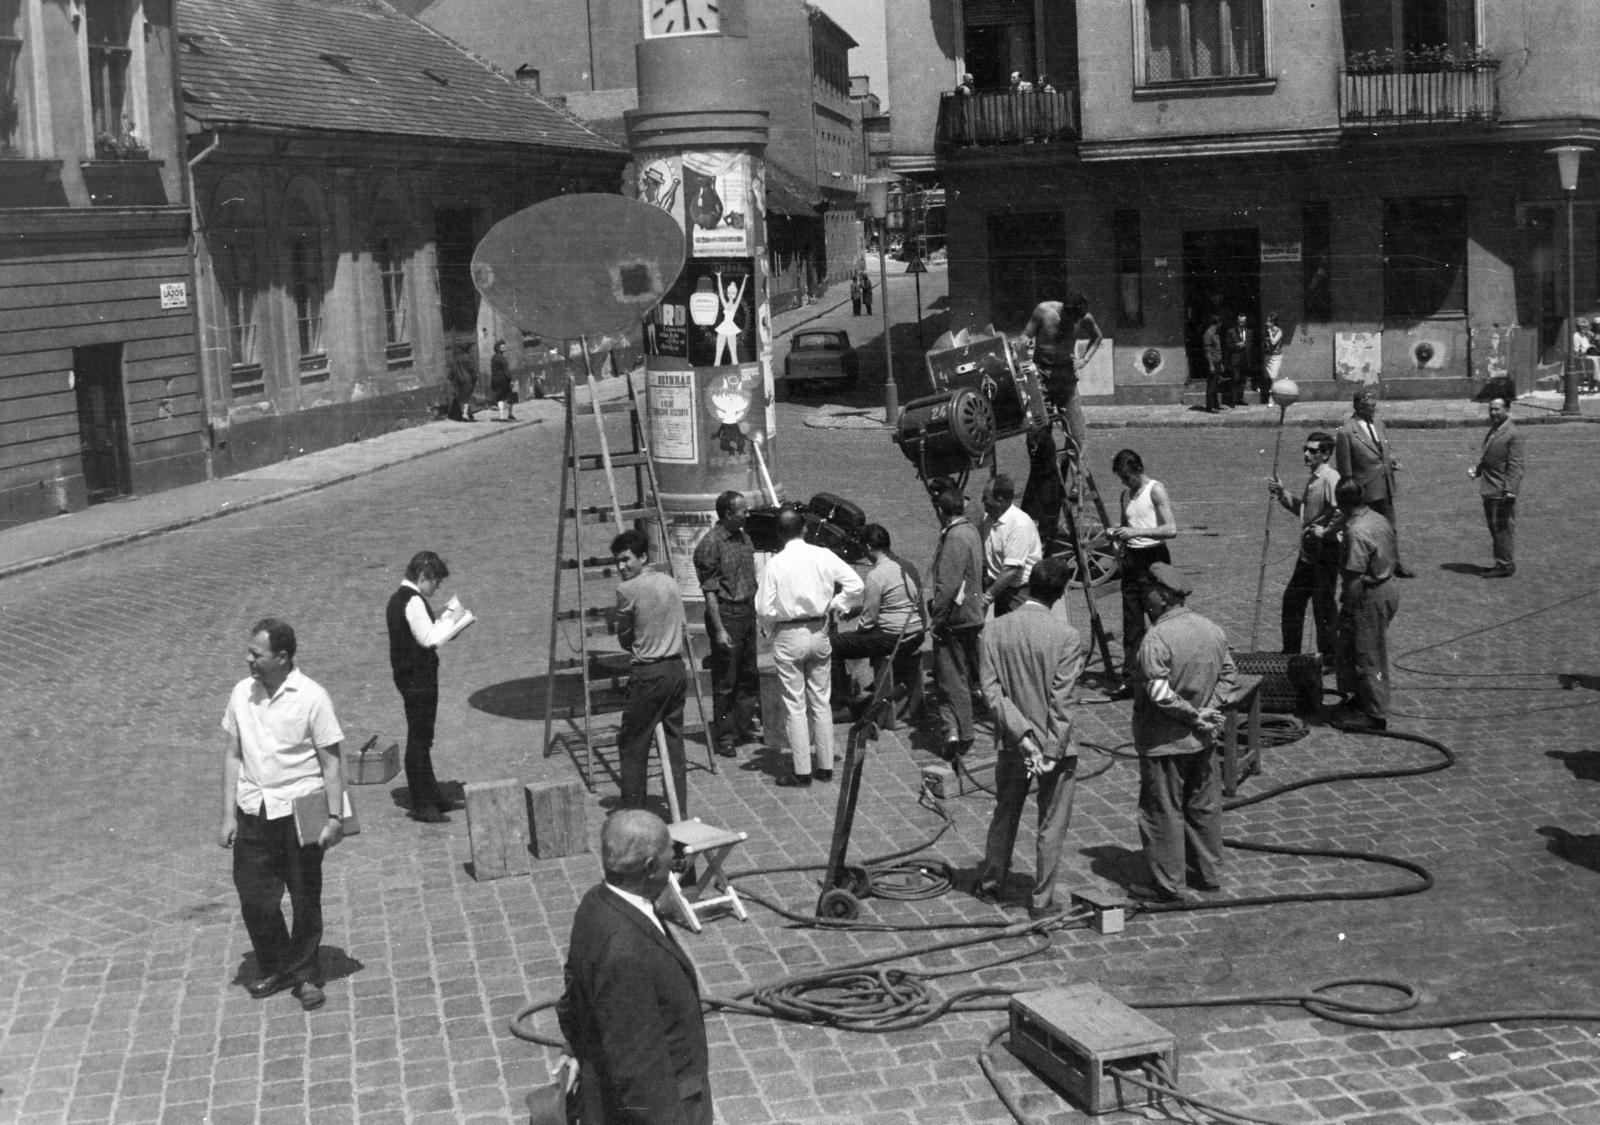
(1064, 337)
(1028, 668)
(651, 628)
(1316, 569)
(1011, 546)
(1362, 453)
(1368, 601)
(280, 742)
(631, 1011)
(1217, 398)
(415, 634)
(1147, 525)
(1271, 354)
(956, 616)
(855, 293)
(1185, 677)
(1499, 476)
(866, 291)
(500, 383)
(1236, 346)
(463, 381)
(890, 620)
(725, 563)
(801, 590)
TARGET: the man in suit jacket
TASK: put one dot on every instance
(1028, 666)
(631, 1011)
(1237, 346)
(1362, 453)
(1499, 476)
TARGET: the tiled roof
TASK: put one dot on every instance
(354, 66)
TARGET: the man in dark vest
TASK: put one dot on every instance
(414, 638)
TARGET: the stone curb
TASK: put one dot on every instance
(860, 420)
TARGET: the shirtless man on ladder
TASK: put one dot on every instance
(1055, 332)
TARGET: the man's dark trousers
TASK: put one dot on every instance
(735, 680)
(1180, 818)
(267, 860)
(955, 667)
(655, 695)
(421, 699)
(1364, 647)
(857, 644)
(1214, 379)
(1315, 581)
(1501, 516)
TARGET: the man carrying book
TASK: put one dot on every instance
(281, 743)
(415, 635)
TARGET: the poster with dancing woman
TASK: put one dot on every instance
(710, 316)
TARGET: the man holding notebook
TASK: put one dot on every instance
(281, 744)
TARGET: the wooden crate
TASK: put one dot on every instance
(1074, 1036)
(558, 812)
(497, 827)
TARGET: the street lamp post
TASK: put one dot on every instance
(878, 197)
(1567, 157)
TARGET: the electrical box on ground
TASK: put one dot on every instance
(1076, 1036)
(1106, 912)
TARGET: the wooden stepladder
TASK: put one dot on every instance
(1077, 482)
(604, 671)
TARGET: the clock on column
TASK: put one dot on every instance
(663, 18)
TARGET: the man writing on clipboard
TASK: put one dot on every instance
(415, 634)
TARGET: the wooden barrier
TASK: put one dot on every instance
(497, 826)
(557, 811)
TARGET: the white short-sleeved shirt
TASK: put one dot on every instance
(1011, 540)
(278, 739)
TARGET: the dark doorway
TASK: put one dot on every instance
(458, 297)
(102, 421)
(1221, 275)
(1027, 264)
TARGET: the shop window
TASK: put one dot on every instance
(1424, 258)
(235, 240)
(110, 55)
(1200, 40)
(1316, 260)
(1130, 270)
(11, 80)
(998, 40)
(1027, 264)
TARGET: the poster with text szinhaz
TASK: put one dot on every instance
(673, 432)
(716, 203)
(710, 317)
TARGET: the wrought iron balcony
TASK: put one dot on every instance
(1461, 94)
(1006, 118)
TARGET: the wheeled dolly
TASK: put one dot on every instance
(844, 885)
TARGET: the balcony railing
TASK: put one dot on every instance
(1006, 118)
(1466, 94)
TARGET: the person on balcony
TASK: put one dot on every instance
(966, 87)
(1019, 84)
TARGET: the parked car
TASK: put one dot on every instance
(820, 356)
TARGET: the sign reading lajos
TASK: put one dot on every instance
(709, 317)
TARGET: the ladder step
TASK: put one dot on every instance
(604, 514)
(592, 461)
(620, 406)
(591, 612)
(596, 566)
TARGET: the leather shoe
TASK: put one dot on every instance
(427, 814)
(1200, 885)
(1144, 892)
(1040, 913)
(822, 775)
(1403, 572)
(794, 781)
(1500, 572)
(1356, 722)
(989, 896)
(727, 751)
(310, 996)
(268, 985)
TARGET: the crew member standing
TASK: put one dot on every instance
(725, 562)
(1029, 665)
(1367, 603)
(651, 627)
(801, 588)
(1147, 524)
(956, 615)
(1316, 569)
(1011, 546)
(1499, 476)
(631, 1011)
(280, 742)
(1362, 454)
(1185, 677)
(414, 638)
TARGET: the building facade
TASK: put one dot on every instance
(98, 392)
(346, 161)
(1378, 179)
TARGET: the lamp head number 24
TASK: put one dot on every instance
(682, 17)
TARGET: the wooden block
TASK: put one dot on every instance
(774, 718)
(558, 810)
(497, 826)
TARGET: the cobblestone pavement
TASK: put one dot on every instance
(121, 950)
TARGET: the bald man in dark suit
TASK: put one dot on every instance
(1362, 454)
(631, 1010)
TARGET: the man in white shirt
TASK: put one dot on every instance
(802, 587)
(281, 741)
(1011, 546)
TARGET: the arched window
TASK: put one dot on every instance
(235, 240)
(391, 252)
(302, 221)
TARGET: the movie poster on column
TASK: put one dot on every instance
(716, 200)
(674, 431)
(661, 185)
(735, 400)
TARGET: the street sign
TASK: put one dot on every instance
(915, 266)
(579, 265)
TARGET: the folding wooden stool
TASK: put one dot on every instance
(693, 838)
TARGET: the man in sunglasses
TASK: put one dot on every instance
(1316, 570)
